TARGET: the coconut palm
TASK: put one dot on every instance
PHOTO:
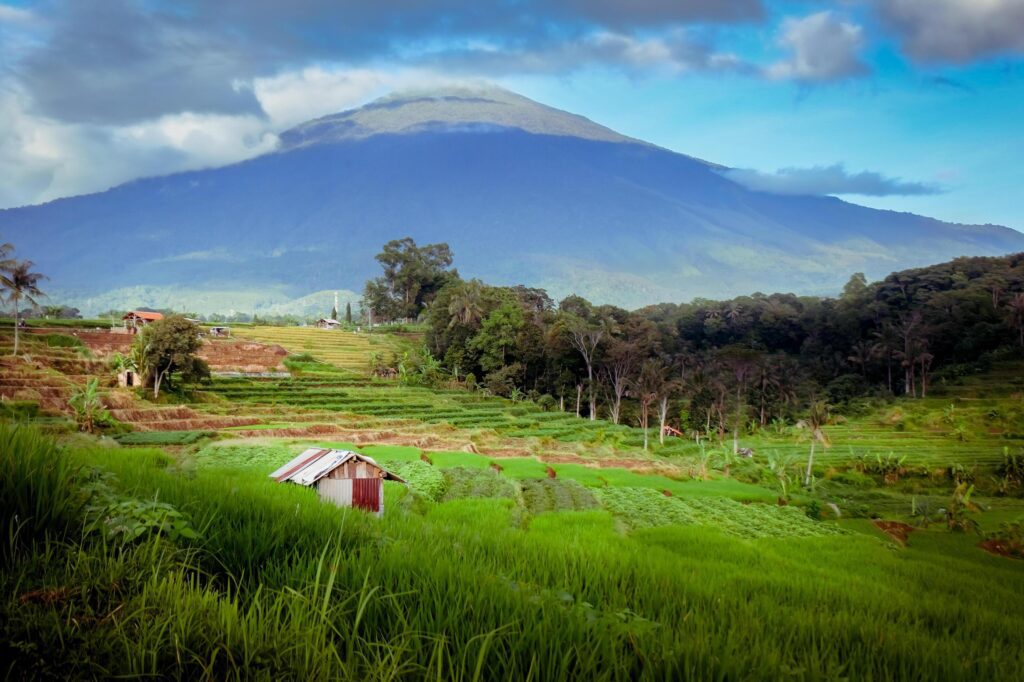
(814, 423)
(466, 306)
(21, 283)
(861, 353)
(887, 345)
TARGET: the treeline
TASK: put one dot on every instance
(709, 366)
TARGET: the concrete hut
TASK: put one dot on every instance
(348, 479)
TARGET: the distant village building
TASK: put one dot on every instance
(327, 323)
(134, 320)
(347, 479)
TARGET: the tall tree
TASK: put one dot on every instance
(619, 370)
(649, 386)
(466, 304)
(861, 354)
(585, 340)
(348, 312)
(412, 276)
(887, 344)
(21, 284)
(1015, 316)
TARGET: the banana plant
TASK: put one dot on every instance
(88, 406)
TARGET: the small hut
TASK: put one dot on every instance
(348, 479)
(327, 323)
(135, 320)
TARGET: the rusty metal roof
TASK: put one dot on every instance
(315, 463)
(143, 315)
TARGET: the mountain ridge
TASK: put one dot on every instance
(616, 220)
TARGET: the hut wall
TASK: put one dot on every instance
(338, 491)
(361, 493)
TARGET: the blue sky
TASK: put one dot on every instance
(911, 105)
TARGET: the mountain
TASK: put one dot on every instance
(522, 193)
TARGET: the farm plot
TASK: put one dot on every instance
(554, 494)
(348, 350)
(646, 508)
(458, 408)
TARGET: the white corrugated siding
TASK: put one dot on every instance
(337, 490)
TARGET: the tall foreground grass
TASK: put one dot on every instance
(278, 585)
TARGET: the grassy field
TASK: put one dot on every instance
(557, 550)
(131, 562)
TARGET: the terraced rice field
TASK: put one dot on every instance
(970, 423)
(348, 350)
(390, 401)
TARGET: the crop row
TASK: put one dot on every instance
(646, 508)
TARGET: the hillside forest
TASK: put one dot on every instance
(706, 366)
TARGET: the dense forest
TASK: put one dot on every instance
(705, 366)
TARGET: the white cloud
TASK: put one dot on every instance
(16, 15)
(294, 97)
(823, 180)
(956, 30)
(43, 159)
(822, 47)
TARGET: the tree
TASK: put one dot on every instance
(861, 353)
(21, 283)
(466, 304)
(1015, 316)
(412, 276)
(815, 421)
(909, 330)
(585, 339)
(649, 386)
(169, 347)
(619, 371)
(888, 344)
(348, 312)
(498, 335)
(742, 362)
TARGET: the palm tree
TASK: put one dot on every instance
(817, 418)
(888, 343)
(861, 354)
(466, 305)
(17, 277)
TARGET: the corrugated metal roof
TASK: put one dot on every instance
(315, 463)
(143, 314)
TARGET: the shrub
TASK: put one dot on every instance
(63, 341)
(546, 402)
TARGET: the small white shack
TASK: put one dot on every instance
(348, 479)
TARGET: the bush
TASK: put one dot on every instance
(503, 381)
(63, 341)
(845, 388)
(546, 402)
